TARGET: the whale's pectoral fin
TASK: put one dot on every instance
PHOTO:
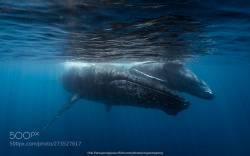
(137, 72)
(71, 101)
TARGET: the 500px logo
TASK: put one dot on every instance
(23, 135)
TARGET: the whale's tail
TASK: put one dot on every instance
(70, 102)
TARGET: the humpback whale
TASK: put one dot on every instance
(175, 76)
(147, 85)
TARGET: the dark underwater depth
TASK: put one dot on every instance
(41, 39)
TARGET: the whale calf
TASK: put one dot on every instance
(147, 85)
(175, 76)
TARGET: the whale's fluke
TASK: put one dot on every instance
(70, 102)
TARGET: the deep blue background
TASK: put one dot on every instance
(218, 127)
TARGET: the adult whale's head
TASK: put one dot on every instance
(175, 76)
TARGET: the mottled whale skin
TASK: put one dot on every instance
(175, 76)
(113, 85)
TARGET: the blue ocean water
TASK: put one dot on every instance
(210, 37)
